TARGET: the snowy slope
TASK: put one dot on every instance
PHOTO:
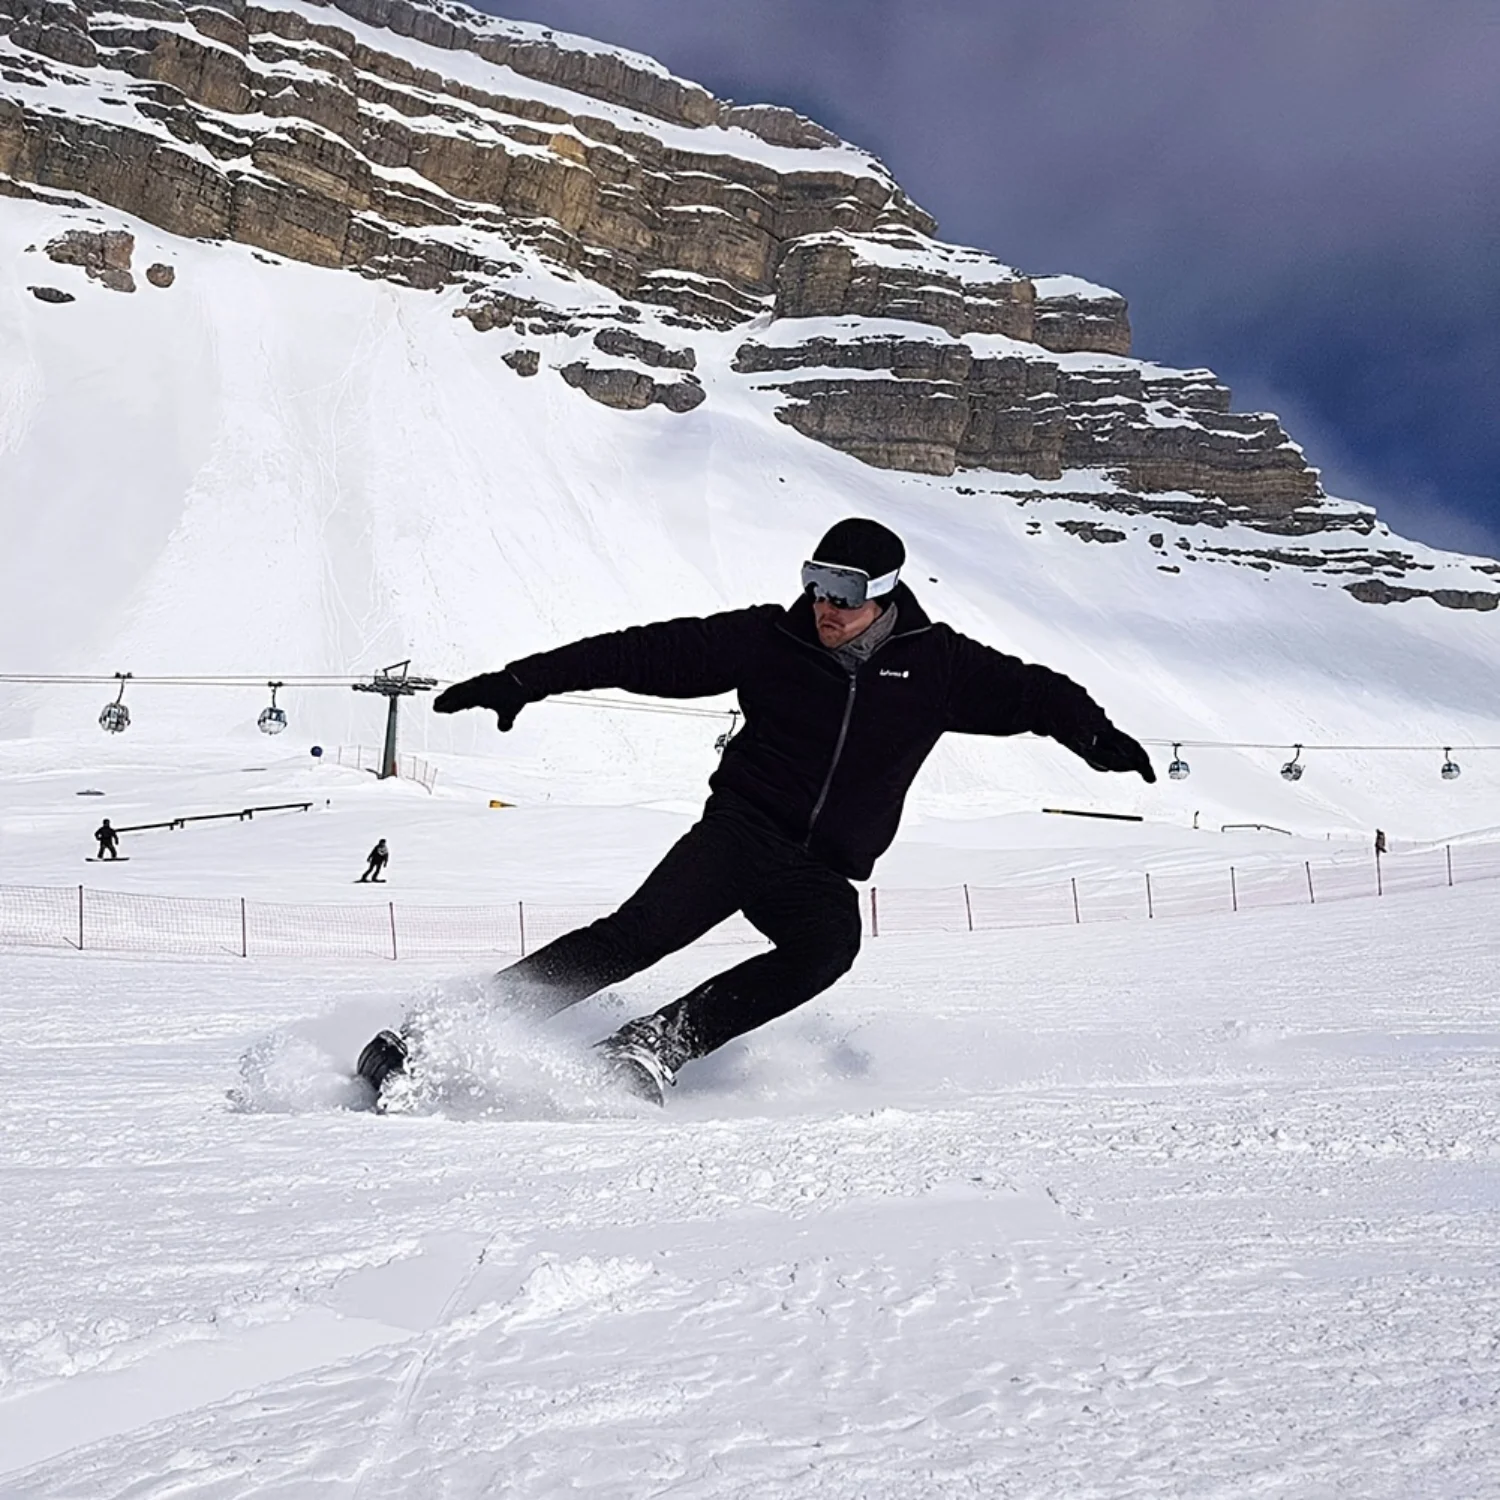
(273, 470)
(1197, 1209)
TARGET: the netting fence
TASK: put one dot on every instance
(85, 919)
(363, 758)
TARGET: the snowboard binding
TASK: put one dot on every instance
(384, 1056)
(642, 1058)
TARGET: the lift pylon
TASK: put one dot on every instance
(396, 683)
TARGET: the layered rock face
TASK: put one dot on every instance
(963, 362)
(616, 220)
(905, 397)
(295, 129)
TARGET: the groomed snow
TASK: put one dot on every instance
(1195, 1208)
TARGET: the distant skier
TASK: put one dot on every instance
(379, 858)
(109, 841)
(844, 694)
(1379, 842)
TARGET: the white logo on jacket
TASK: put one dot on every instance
(891, 672)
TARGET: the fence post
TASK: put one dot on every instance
(1481, 867)
(1379, 881)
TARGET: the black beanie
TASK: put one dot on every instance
(866, 545)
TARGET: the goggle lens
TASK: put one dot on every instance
(844, 588)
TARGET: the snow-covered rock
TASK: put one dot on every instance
(435, 146)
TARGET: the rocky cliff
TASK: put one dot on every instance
(612, 218)
(310, 132)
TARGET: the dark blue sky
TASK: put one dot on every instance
(1302, 194)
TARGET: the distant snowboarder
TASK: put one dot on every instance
(109, 841)
(379, 858)
(843, 696)
(1379, 842)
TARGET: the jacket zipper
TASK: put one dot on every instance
(833, 765)
(838, 748)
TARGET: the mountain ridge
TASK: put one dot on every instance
(435, 145)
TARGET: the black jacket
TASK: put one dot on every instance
(825, 756)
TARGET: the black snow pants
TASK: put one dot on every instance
(732, 860)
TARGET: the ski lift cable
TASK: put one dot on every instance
(592, 700)
(581, 700)
(1427, 749)
(292, 680)
(258, 679)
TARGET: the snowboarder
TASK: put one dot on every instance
(843, 695)
(1379, 842)
(379, 858)
(109, 841)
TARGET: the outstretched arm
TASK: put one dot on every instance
(688, 658)
(993, 693)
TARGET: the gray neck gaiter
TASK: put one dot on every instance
(853, 654)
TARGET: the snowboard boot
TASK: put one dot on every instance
(384, 1055)
(643, 1056)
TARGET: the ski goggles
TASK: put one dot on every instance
(845, 588)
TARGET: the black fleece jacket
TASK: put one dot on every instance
(824, 756)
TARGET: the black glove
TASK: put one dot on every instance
(500, 691)
(1111, 749)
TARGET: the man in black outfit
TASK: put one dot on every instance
(379, 858)
(109, 841)
(843, 694)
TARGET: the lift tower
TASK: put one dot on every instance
(395, 684)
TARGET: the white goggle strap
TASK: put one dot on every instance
(882, 585)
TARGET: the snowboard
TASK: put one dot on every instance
(388, 1086)
(95, 859)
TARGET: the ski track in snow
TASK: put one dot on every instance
(1204, 1208)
